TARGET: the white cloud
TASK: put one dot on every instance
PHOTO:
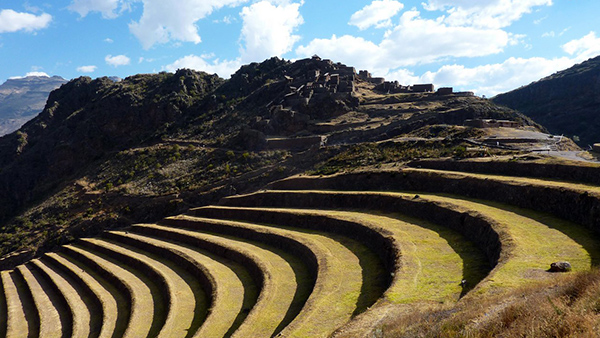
(540, 20)
(490, 14)
(39, 74)
(552, 34)
(86, 69)
(268, 29)
(109, 40)
(413, 41)
(163, 21)
(108, 8)
(228, 20)
(497, 78)
(223, 68)
(11, 21)
(489, 79)
(584, 48)
(119, 60)
(352, 50)
(379, 14)
(433, 40)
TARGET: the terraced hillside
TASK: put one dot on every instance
(311, 257)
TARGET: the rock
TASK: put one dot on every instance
(249, 139)
(560, 267)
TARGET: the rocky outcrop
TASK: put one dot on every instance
(84, 120)
(560, 267)
(565, 103)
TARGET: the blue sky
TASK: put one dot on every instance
(485, 46)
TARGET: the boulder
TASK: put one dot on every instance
(560, 267)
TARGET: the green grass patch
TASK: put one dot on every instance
(434, 259)
(539, 239)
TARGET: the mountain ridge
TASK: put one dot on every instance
(566, 102)
(23, 98)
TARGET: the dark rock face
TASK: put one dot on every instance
(567, 102)
(22, 99)
(86, 119)
(560, 267)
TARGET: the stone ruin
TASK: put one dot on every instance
(316, 78)
(394, 87)
(319, 79)
(491, 123)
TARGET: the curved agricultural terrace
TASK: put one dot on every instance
(309, 257)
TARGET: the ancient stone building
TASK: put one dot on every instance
(320, 78)
(490, 123)
(423, 88)
(445, 91)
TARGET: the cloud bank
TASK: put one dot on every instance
(12, 21)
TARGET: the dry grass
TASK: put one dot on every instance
(567, 307)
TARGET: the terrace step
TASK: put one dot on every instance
(337, 259)
(19, 314)
(535, 181)
(228, 283)
(578, 203)
(531, 239)
(3, 310)
(177, 301)
(309, 263)
(107, 318)
(78, 310)
(138, 293)
(51, 321)
(278, 273)
(538, 240)
(146, 272)
(188, 304)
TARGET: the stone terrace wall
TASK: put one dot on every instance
(584, 174)
(578, 206)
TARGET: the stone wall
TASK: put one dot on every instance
(298, 143)
(566, 172)
(486, 123)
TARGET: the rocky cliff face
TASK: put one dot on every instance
(86, 119)
(22, 99)
(567, 102)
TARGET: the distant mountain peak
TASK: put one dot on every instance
(23, 98)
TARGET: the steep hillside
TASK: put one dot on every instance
(105, 154)
(567, 102)
(22, 99)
